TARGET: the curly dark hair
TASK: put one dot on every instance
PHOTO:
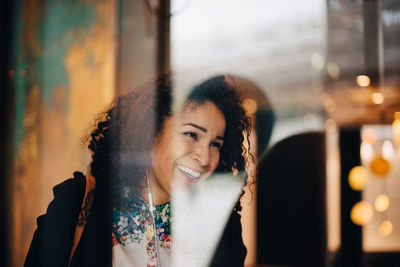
(123, 137)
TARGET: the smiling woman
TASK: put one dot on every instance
(187, 150)
(141, 149)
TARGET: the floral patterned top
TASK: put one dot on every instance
(133, 234)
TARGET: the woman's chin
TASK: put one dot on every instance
(185, 182)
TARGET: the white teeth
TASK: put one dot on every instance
(190, 172)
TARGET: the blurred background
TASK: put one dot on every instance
(320, 78)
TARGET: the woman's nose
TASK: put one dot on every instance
(202, 154)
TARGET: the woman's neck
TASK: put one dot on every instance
(159, 196)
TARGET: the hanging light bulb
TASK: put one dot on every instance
(396, 128)
(380, 166)
(361, 213)
(382, 203)
(358, 177)
(385, 228)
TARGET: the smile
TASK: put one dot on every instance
(189, 172)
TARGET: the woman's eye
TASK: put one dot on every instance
(191, 134)
(216, 145)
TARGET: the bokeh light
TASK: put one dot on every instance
(380, 166)
(366, 152)
(11, 73)
(382, 203)
(377, 98)
(250, 106)
(361, 213)
(358, 177)
(388, 150)
(330, 125)
(317, 61)
(385, 228)
(396, 128)
(363, 80)
(369, 136)
(333, 70)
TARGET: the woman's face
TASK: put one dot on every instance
(187, 149)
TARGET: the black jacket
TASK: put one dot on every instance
(53, 238)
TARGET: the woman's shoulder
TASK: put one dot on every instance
(53, 237)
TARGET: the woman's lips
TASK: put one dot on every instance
(190, 173)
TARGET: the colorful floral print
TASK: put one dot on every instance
(134, 223)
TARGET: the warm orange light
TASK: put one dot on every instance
(250, 106)
(363, 80)
(369, 136)
(380, 166)
(382, 203)
(396, 128)
(377, 98)
(358, 177)
(385, 228)
(361, 213)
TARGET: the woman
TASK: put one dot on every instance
(140, 147)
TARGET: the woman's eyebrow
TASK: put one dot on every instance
(196, 126)
(201, 129)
